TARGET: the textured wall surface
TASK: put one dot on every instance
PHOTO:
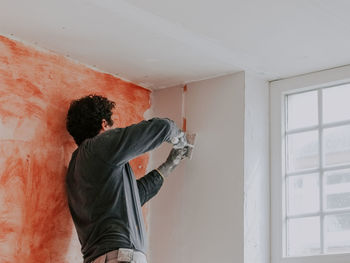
(35, 90)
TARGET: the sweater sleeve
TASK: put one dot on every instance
(149, 185)
(120, 145)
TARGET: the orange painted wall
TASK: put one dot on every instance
(35, 90)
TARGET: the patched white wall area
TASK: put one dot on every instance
(164, 208)
(256, 172)
(198, 215)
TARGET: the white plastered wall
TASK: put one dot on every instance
(198, 215)
(164, 208)
(206, 210)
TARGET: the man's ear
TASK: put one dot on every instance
(104, 125)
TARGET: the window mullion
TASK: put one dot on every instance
(318, 170)
(321, 165)
(300, 130)
(303, 172)
(325, 213)
(285, 190)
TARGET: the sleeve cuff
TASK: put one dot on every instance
(160, 174)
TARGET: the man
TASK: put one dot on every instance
(104, 197)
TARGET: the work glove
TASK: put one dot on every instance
(173, 160)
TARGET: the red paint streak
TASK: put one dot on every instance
(184, 124)
(184, 121)
(35, 90)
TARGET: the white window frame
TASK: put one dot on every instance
(278, 90)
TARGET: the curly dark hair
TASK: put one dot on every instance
(85, 116)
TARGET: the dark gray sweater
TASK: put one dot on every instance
(104, 197)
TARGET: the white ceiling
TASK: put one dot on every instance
(159, 43)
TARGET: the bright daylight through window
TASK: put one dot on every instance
(317, 172)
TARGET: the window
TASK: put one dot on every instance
(310, 164)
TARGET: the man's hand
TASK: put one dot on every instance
(174, 158)
(179, 141)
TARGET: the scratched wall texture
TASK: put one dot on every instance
(35, 90)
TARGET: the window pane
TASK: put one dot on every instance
(337, 145)
(337, 189)
(302, 151)
(303, 194)
(336, 106)
(337, 233)
(302, 110)
(304, 236)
